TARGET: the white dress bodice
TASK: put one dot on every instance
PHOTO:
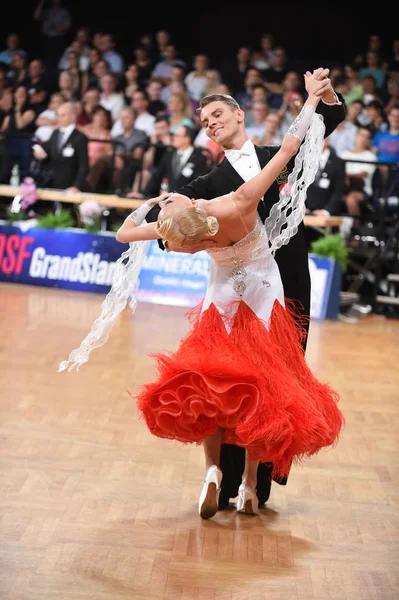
(244, 271)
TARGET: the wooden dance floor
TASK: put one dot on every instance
(94, 507)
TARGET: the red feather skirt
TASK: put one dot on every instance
(251, 380)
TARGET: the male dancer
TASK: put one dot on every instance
(223, 121)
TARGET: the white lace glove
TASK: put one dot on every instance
(138, 215)
(300, 125)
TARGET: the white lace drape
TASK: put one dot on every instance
(286, 215)
(125, 285)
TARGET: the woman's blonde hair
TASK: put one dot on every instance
(187, 225)
(187, 107)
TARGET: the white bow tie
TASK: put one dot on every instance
(234, 155)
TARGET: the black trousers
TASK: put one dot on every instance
(232, 465)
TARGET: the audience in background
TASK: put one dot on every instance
(19, 125)
(155, 105)
(98, 132)
(160, 142)
(256, 127)
(359, 175)
(17, 74)
(118, 168)
(110, 98)
(12, 47)
(386, 143)
(179, 111)
(47, 121)
(81, 45)
(325, 194)
(37, 85)
(196, 80)
(66, 152)
(130, 108)
(56, 22)
(272, 136)
(21, 117)
(177, 167)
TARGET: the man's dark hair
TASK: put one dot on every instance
(189, 132)
(366, 128)
(255, 86)
(143, 93)
(393, 107)
(358, 101)
(160, 118)
(377, 105)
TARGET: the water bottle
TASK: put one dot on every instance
(164, 185)
(14, 179)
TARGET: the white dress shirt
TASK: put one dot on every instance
(65, 133)
(44, 132)
(325, 155)
(343, 138)
(352, 168)
(144, 122)
(185, 154)
(114, 103)
(244, 161)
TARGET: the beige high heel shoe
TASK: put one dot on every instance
(209, 498)
(247, 499)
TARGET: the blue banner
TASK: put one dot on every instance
(176, 278)
(326, 281)
(72, 259)
(77, 260)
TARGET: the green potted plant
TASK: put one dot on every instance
(332, 246)
(63, 220)
(329, 256)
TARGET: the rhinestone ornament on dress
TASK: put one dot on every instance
(239, 274)
(233, 252)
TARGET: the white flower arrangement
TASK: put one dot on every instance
(90, 214)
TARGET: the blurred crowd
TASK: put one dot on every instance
(79, 115)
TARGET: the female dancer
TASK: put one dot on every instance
(239, 376)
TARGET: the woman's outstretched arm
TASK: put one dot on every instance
(248, 195)
(132, 229)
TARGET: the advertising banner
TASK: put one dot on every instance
(62, 258)
(77, 260)
(325, 277)
(176, 278)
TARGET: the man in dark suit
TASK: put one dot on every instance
(325, 195)
(179, 165)
(65, 153)
(223, 121)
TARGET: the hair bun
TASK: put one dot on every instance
(213, 225)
